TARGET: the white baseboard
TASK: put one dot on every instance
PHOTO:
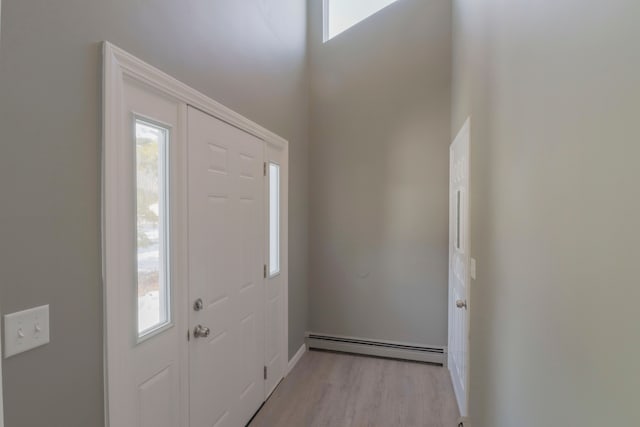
(379, 348)
(296, 357)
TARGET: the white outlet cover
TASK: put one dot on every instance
(26, 330)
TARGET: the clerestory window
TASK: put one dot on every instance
(340, 15)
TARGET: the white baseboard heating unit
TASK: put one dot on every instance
(379, 348)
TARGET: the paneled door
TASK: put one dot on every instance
(226, 272)
(195, 250)
(459, 262)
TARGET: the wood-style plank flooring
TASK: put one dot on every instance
(342, 390)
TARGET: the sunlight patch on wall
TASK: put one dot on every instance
(340, 15)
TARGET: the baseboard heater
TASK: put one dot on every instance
(389, 349)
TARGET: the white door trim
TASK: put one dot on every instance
(119, 66)
(117, 61)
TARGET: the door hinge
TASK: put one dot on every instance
(265, 169)
(265, 271)
(265, 372)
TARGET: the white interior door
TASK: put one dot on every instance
(226, 277)
(459, 263)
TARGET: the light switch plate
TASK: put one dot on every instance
(26, 330)
(473, 268)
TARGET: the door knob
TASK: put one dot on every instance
(201, 331)
(461, 304)
(198, 305)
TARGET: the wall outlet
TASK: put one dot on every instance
(26, 330)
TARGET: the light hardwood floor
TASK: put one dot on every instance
(341, 390)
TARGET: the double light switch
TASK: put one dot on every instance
(26, 330)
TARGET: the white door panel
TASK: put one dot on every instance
(226, 211)
(459, 261)
(154, 362)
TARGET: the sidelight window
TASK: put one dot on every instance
(274, 219)
(152, 248)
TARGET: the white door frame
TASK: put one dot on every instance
(119, 66)
(463, 172)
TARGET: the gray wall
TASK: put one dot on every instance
(380, 108)
(553, 88)
(249, 55)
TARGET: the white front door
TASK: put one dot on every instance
(226, 282)
(459, 262)
(195, 254)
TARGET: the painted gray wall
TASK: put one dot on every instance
(553, 88)
(249, 55)
(380, 109)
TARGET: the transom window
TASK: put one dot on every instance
(340, 15)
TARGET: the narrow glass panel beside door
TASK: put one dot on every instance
(274, 219)
(458, 213)
(152, 227)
